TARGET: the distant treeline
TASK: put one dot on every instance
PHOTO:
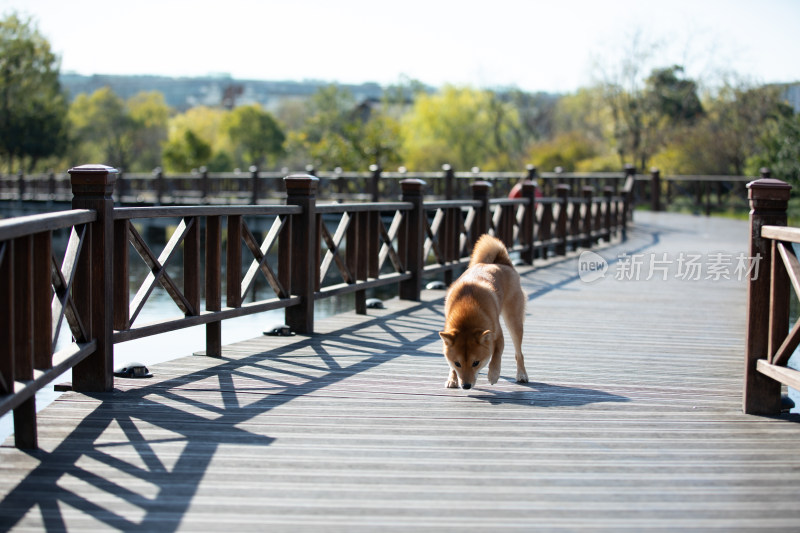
(659, 118)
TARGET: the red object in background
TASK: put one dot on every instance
(516, 192)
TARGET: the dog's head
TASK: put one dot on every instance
(467, 351)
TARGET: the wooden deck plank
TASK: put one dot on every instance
(632, 422)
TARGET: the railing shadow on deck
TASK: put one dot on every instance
(196, 428)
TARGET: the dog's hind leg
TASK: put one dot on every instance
(514, 316)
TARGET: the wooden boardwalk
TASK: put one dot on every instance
(632, 420)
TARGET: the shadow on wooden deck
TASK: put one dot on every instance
(351, 429)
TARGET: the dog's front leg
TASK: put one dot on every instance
(494, 363)
(452, 380)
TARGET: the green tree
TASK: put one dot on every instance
(33, 108)
(779, 147)
(150, 115)
(124, 134)
(565, 150)
(647, 115)
(189, 132)
(255, 133)
(736, 134)
(186, 153)
(463, 127)
(782, 154)
(102, 126)
(339, 132)
(673, 97)
(537, 114)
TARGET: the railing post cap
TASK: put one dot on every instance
(301, 182)
(481, 185)
(95, 171)
(412, 184)
(769, 189)
(86, 179)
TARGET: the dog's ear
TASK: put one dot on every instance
(448, 338)
(484, 337)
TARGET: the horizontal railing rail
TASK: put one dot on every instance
(775, 269)
(301, 250)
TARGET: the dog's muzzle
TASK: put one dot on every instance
(466, 386)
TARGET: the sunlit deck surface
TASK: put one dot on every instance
(632, 420)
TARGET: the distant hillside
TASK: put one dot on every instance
(183, 93)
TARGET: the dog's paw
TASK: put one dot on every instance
(522, 376)
(493, 377)
(451, 384)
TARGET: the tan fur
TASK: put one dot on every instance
(472, 336)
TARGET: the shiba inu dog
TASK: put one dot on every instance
(472, 337)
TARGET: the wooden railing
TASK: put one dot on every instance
(695, 193)
(770, 342)
(257, 186)
(36, 296)
(309, 251)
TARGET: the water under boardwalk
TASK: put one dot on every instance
(632, 418)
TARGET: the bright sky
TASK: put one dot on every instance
(553, 45)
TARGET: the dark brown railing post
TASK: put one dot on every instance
(609, 216)
(655, 189)
(7, 317)
(630, 187)
(769, 200)
(588, 193)
(213, 282)
(527, 231)
(532, 173)
(25, 413)
(412, 240)
(483, 214)
(158, 177)
(51, 186)
(205, 186)
(375, 181)
(255, 184)
(301, 190)
(562, 192)
(449, 181)
(92, 186)
(21, 184)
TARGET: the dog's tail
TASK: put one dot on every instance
(490, 250)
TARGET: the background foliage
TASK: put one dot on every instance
(646, 116)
